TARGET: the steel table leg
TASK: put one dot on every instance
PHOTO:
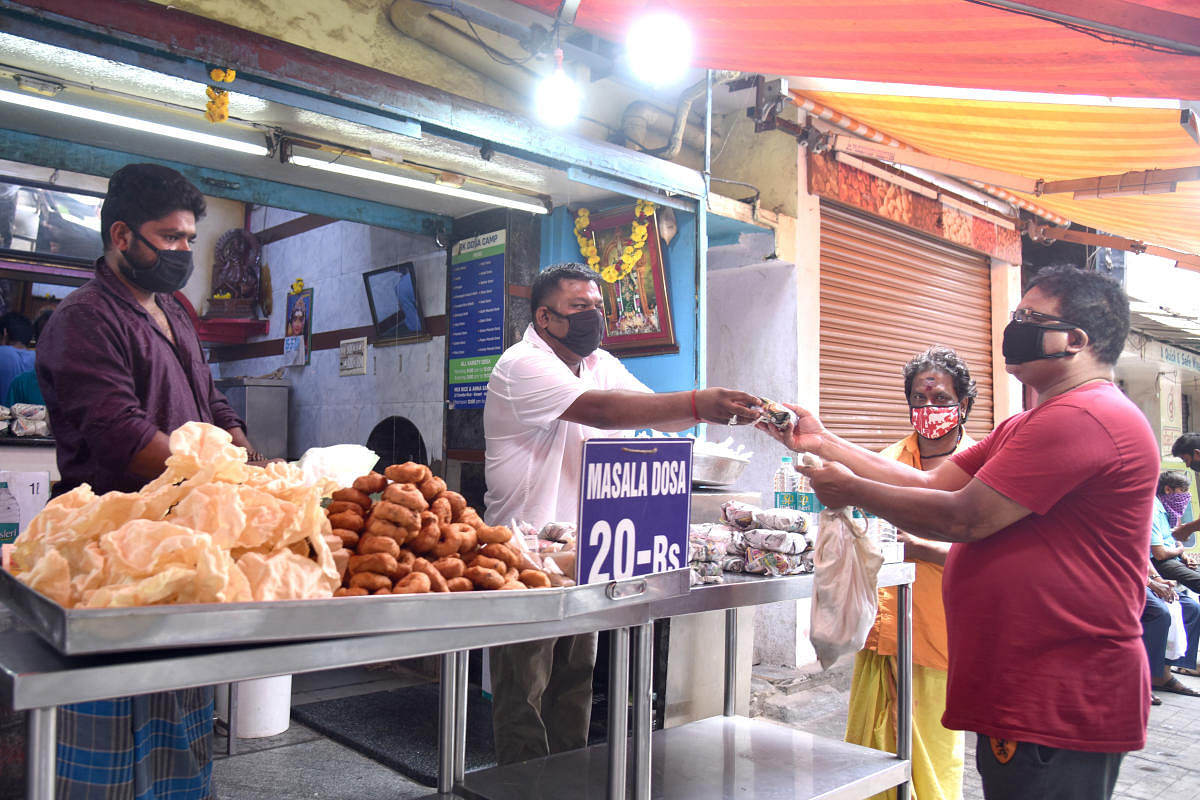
(643, 716)
(461, 685)
(730, 661)
(448, 693)
(231, 726)
(43, 741)
(904, 682)
(618, 717)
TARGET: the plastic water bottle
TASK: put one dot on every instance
(784, 484)
(806, 501)
(10, 515)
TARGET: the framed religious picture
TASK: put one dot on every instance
(395, 304)
(297, 329)
(623, 246)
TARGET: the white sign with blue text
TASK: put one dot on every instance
(634, 507)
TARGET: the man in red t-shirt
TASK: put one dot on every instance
(1051, 519)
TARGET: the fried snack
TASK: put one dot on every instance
(349, 538)
(494, 564)
(483, 577)
(441, 507)
(431, 487)
(512, 574)
(371, 581)
(406, 558)
(408, 472)
(502, 553)
(354, 496)
(510, 585)
(413, 583)
(349, 520)
(470, 517)
(382, 591)
(428, 535)
(378, 544)
(395, 514)
(341, 559)
(407, 495)
(338, 506)
(460, 584)
(458, 504)
(470, 541)
(534, 579)
(493, 534)
(450, 567)
(381, 527)
(350, 591)
(436, 582)
(370, 483)
(450, 539)
(383, 563)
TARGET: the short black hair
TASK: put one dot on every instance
(39, 322)
(1094, 302)
(1185, 444)
(551, 280)
(18, 327)
(1173, 479)
(940, 358)
(139, 193)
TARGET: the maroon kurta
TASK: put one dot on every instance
(111, 379)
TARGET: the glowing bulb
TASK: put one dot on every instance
(659, 48)
(558, 98)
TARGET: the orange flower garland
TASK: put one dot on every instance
(629, 255)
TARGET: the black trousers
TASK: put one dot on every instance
(1173, 569)
(1037, 772)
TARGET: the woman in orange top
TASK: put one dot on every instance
(940, 394)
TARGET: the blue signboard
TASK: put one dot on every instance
(635, 501)
(475, 325)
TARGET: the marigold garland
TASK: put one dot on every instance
(629, 255)
(217, 109)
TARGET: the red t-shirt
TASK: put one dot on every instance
(1043, 617)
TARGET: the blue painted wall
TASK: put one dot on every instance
(664, 373)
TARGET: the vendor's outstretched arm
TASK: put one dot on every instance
(617, 409)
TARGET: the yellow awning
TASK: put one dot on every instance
(1054, 142)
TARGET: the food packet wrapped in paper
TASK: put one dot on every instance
(788, 542)
(738, 514)
(781, 519)
(210, 529)
(776, 414)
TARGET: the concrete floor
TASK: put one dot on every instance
(302, 763)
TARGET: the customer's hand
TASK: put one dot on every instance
(805, 435)
(1162, 589)
(832, 482)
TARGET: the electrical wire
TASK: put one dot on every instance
(1107, 38)
(492, 53)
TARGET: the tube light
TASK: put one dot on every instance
(131, 123)
(413, 183)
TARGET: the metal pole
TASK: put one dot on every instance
(730, 662)
(643, 715)
(462, 684)
(702, 243)
(447, 693)
(43, 737)
(231, 715)
(904, 682)
(618, 718)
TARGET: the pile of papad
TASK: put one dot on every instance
(210, 529)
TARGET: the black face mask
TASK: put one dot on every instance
(1023, 341)
(585, 329)
(168, 273)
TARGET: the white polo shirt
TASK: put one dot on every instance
(534, 459)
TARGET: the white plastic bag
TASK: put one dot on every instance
(844, 601)
(1177, 636)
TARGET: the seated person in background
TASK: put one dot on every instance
(16, 341)
(1156, 624)
(1166, 547)
(24, 389)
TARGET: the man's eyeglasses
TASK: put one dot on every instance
(1043, 320)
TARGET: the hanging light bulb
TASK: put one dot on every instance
(557, 100)
(659, 48)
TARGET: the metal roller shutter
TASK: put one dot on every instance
(886, 294)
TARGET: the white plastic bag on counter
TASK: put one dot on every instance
(844, 601)
(339, 464)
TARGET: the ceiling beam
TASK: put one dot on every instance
(1150, 181)
(944, 166)
(1050, 233)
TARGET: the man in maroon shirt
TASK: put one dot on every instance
(119, 362)
(121, 367)
(1050, 516)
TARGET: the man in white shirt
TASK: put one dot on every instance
(548, 394)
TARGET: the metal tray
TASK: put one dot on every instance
(74, 631)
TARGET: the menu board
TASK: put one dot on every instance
(634, 506)
(476, 317)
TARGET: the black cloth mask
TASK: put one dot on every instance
(585, 329)
(168, 273)
(1023, 341)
